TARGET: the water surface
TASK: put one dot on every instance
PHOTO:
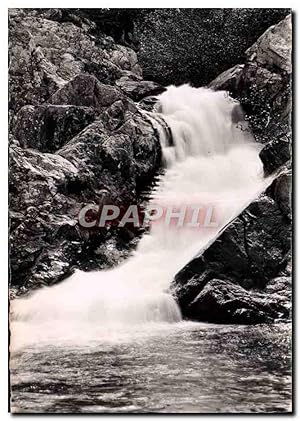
(180, 368)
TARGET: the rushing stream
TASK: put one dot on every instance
(114, 340)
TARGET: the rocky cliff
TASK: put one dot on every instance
(76, 137)
(245, 275)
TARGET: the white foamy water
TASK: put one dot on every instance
(212, 161)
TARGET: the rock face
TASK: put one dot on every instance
(263, 83)
(244, 276)
(86, 90)
(47, 128)
(46, 53)
(251, 251)
(275, 154)
(282, 193)
(273, 48)
(77, 137)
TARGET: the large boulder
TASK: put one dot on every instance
(139, 89)
(251, 251)
(121, 151)
(222, 301)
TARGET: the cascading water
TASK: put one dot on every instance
(211, 160)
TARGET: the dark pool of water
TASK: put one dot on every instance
(184, 368)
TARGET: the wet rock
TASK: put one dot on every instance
(283, 193)
(221, 301)
(275, 154)
(150, 103)
(123, 158)
(228, 80)
(46, 241)
(37, 209)
(48, 127)
(251, 251)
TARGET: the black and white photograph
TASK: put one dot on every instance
(150, 210)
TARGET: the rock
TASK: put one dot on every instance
(283, 193)
(138, 90)
(263, 83)
(86, 90)
(48, 48)
(76, 139)
(66, 15)
(275, 154)
(37, 208)
(123, 157)
(281, 285)
(150, 103)
(48, 127)
(251, 251)
(280, 289)
(228, 80)
(125, 58)
(274, 47)
(119, 154)
(221, 301)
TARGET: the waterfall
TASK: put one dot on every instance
(211, 160)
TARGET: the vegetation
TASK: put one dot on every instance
(195, 45)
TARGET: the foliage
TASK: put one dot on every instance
(195, 45)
